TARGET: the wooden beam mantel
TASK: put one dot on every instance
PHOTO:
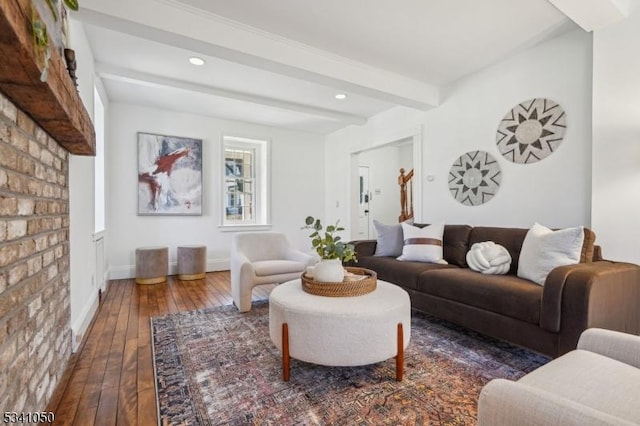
(54, 104)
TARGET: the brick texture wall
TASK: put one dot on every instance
(35, 332)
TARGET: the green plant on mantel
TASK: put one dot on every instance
(326, 243)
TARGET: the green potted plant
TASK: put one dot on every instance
(330, 248)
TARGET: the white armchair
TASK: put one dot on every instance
(263, 258)
(596, 384)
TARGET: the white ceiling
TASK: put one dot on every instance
(281, 62)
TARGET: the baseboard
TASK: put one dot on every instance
(79, 327)
(121, 272)
(129, 271)
(218, 264)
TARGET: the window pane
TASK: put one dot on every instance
(239, 185)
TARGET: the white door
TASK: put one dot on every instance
(364, 198)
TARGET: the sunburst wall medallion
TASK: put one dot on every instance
(474, 178)
(531, 131)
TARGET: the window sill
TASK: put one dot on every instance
(244, 228)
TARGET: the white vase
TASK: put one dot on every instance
(328, 271)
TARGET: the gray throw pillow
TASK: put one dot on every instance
(390, 239)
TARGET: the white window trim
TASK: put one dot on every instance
(244, 228)
(263, 180)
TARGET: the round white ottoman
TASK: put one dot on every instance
(340, 331)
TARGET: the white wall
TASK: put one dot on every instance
(405, 156)
(616, 138)
(384, 166)
(554, 191)
(297, 178)
(84, 288)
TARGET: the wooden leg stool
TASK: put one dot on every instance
(152, 265)
(192, 262)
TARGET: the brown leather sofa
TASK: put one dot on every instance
(548, 319)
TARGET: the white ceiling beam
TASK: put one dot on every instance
(173, 23)
(591, 14)
(111, 72)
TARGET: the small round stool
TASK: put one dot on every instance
(152, 264)
(192, 262)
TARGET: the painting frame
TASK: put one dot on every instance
(169, 175)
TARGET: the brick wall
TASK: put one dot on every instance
(35, 332)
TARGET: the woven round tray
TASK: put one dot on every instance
(352, 285)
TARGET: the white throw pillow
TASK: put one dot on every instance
(544, 249)
(489, 258)
(422, 244)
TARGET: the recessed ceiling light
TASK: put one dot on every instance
(341, 96)
(196, 61)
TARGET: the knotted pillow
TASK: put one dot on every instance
(489, 258)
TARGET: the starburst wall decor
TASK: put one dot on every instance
(531, 131)
(474, 178)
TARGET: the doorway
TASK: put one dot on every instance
(364, 221)
(375, 193)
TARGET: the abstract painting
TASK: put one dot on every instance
(474, 178)
(169, 175)
(531, 131)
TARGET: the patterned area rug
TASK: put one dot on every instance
(218, 366)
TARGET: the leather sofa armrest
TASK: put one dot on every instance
(598, 294)
(551, 305)
(622, 347)
(503, 402)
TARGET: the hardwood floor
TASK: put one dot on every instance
(110, 379)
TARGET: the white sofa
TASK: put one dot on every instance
(596, 384)
(259, 258)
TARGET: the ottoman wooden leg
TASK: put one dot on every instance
(400, 356)
(285, 352)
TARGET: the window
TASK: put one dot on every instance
(245, 182)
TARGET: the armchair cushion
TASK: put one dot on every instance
(277, 267)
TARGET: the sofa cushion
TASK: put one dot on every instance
(510, 238)
(404, 274)
(588, 248)
(503, 294)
